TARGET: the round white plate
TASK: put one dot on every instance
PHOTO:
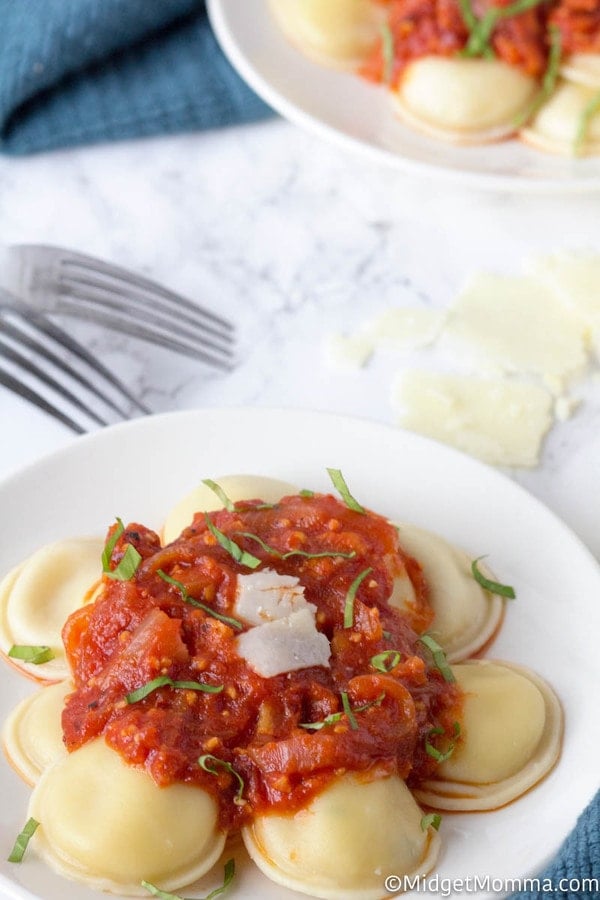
(347, 110)
(138, 470)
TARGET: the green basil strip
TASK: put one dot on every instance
(233, 623)
(592, 108)
(342, 488)
(218, 490)
(386, 661)
(431, 820)
(481, 30)
(35, 654)
(128, 565)
(349, 711)
(228, 874)
(165, 681)
(550, 77)
(18, 851)
(432, 751)
(234, 550)
(273, 552)
(387, 50)
(306, 493)
(208, 757)
(504, 590)
(439, 657)
(332, 718)
(387, 635)
(351, 596)
(111, 544)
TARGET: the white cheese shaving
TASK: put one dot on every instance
(266, 595)
(500, 421)
(517, 325)
(285, 645)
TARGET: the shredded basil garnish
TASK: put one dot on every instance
(130, 560)
(432, 751)
(306, 493)
(431, 820)
(387, 634)
(386, 661)
(208, 757)
(342, 488)
(34, 654)
(387, 52)
(592, 108)
(228, 874)
(332, 718)
(18, 851)
(234, 550)
(190, 600)
(351, 596)
(550, 77)
(481, 30)
(165, 681)
(273, 552)
(505, 590)
(349, 712)
(439, 657)
(218, 490)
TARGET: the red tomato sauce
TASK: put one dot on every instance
(141, 629)
(437, 27)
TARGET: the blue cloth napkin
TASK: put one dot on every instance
(82, 71)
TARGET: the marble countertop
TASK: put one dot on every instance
(290, 238)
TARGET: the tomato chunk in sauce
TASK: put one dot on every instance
(147, 627)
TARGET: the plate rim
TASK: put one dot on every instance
(492, 182)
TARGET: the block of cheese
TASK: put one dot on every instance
(518, 325)
(285, 645)
(499, 420)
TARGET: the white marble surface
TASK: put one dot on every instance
(292, 239)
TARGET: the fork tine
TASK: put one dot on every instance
(92, 314)
(33, 397)
(87, 292)
(66, 341)
(43, 351)
(73, 280)
(89, 263)
(31, 368)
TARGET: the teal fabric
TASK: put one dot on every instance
(577, 860)
(82, 71)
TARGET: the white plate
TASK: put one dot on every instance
(354, 114)
(139, 469)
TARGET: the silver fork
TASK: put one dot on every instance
(47, 367)
(55, 280)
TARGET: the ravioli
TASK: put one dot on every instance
(582, 68)
(466, 615)
(32, 735)
(336, 32)
(37, 598)
(556, 127)
(511, 733)
(466, 101)
(127, 830)
(237, 487)
(346, 841)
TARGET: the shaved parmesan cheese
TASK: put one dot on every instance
(285, 645)
(351, 352)
(500, 421)
(575, 279)
(516, 324)
(266, 595)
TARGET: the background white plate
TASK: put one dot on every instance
(139, 469)
(342, 107)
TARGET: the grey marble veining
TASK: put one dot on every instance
(291, 239)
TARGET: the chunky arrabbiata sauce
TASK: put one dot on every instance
(437, 27)
(142, 628)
